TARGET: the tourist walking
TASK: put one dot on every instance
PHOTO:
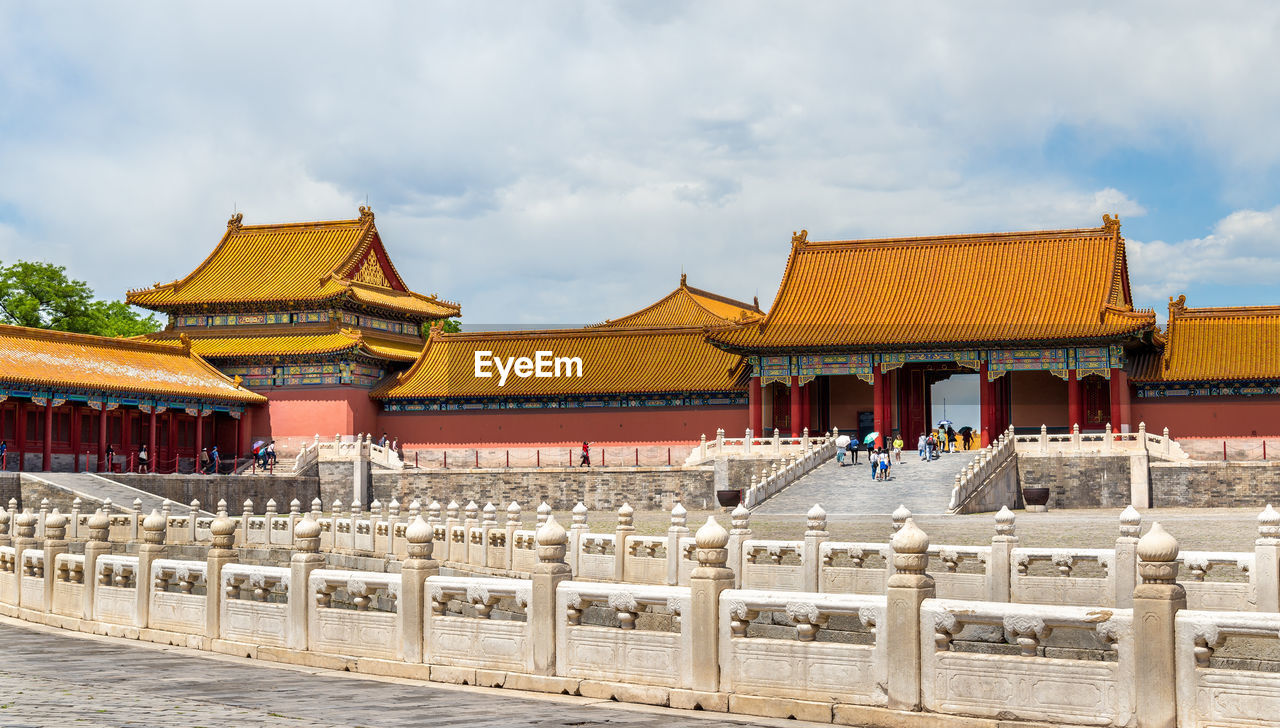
(922, 445)
(144, 460)
(874, 459)
(4, 455)
(269, 459)
(951, 437)
(204, 460)
(854, 446)
(586, 454)
(897, 448)
(215, 460)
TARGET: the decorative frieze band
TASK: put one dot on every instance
(1085, 361)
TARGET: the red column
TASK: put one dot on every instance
(173, 439)
(47, 463)
(1075, 400)
(236, 448)
(795, 406)
(126, 437)
(1119, 399)
(806, 394)
(986, 400)
(102, 437)
(246, 431)
(199, 435)
(1126, 404)
(152, 454)
(877, 399)
(755, 409)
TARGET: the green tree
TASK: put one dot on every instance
(40, 295)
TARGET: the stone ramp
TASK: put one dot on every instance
(923, 487)
(93, 490)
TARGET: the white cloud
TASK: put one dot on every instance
(561, 163)
(1242, 250)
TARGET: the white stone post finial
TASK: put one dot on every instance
(900, 516)
(544, 513)
(679, 516)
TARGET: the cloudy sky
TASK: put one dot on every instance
(561, 162)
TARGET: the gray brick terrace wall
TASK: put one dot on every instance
(208, 489)
(562, 488)
(10, 487)
(1209, 484)
(1078, 482)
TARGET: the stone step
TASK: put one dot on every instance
(94, 490)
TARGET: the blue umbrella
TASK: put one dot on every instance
(870, 438)
(944, 423)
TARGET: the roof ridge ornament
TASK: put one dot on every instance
(234, 224)
(1111, 223)
(366, 213)
(800, 238)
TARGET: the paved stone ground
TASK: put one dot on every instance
(48, 678)
(923, 487)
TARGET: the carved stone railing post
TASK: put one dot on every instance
(55, 542)
(488, 522)
(223, 552)
(900, 517)
(99, 526)
(577, 530)
(815, 533)
(1044, 439)
(245, 516)
(1266, 560)
(6, 522)
(623, 531)
(306, 559)
(1124, 572)
(906, 589)
(702, 447)
(740, 530)
(547, 575)
(193, 512)
(719, 441)
(709, 578)
(746, 442)
(135, 532)
(1000, 563)
(26, 523)
(513, 525)
(152, 548)
(1156, 602)
(73, 523)
(413, 586)
(543, 513)
(678, 530)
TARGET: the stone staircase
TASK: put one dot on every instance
(94, 490)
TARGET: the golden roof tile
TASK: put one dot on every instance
(614, 361)
(688, 306)
(1044, 285)
(57, 359)
(292, 263)
(300, 344)
(1216, 344)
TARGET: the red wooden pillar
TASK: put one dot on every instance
(795, 406)
(806, 394)
(47, 463)
(199, 435)
(20, 434)
(755, 408)
(1119, 399)
(126, 438)
(152, 454)
(1126, 404)
(236, 449)
(1075, 400)
(173, 439)
(877, 400)
(246, 431)
(102, 437)
(986, 400)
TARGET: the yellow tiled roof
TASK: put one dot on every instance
(614, 361)
(1217, 344)
(292, 344)
(56, 359)
(688, 306)
(296, 262)
(1014, 287)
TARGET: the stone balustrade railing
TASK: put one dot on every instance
(360, 447)
(1076, 442)
(748, 445)
(470, 539)
(795, 466)
(781, 652)
(978, 476)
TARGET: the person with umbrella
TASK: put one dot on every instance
(842, 443)
(966, 435)
(871, 453)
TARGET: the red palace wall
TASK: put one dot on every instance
(649, 424)
(296, 415)
(1209, 416)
